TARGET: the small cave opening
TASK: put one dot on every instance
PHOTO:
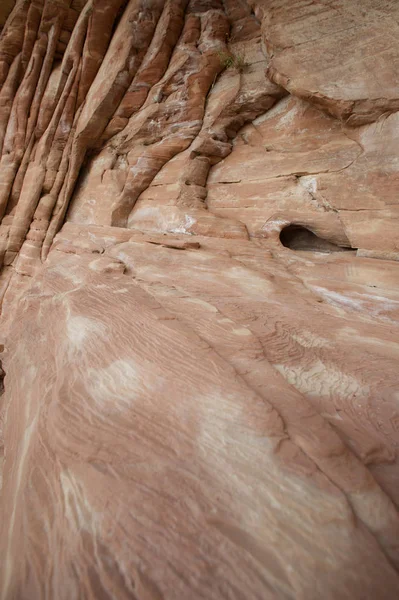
(296, 237)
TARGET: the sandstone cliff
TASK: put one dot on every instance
(199, 299)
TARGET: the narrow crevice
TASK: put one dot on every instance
(2, 374)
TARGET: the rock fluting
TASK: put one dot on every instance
(199, 299)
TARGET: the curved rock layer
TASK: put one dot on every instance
(199, 299)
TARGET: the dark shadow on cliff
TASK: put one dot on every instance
(296, 237)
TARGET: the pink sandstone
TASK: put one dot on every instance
(199, 299)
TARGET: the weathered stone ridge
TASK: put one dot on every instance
(199, 339)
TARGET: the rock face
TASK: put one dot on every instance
(355, 76)
(200, 301)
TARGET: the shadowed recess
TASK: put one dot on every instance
(296, 237)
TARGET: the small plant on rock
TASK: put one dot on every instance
(229, 60)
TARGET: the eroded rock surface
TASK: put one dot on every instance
(341, 55)
(200, 300)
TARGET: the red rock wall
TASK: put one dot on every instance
(200, 306)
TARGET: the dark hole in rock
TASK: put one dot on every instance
(297, 237)
(2, 375)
